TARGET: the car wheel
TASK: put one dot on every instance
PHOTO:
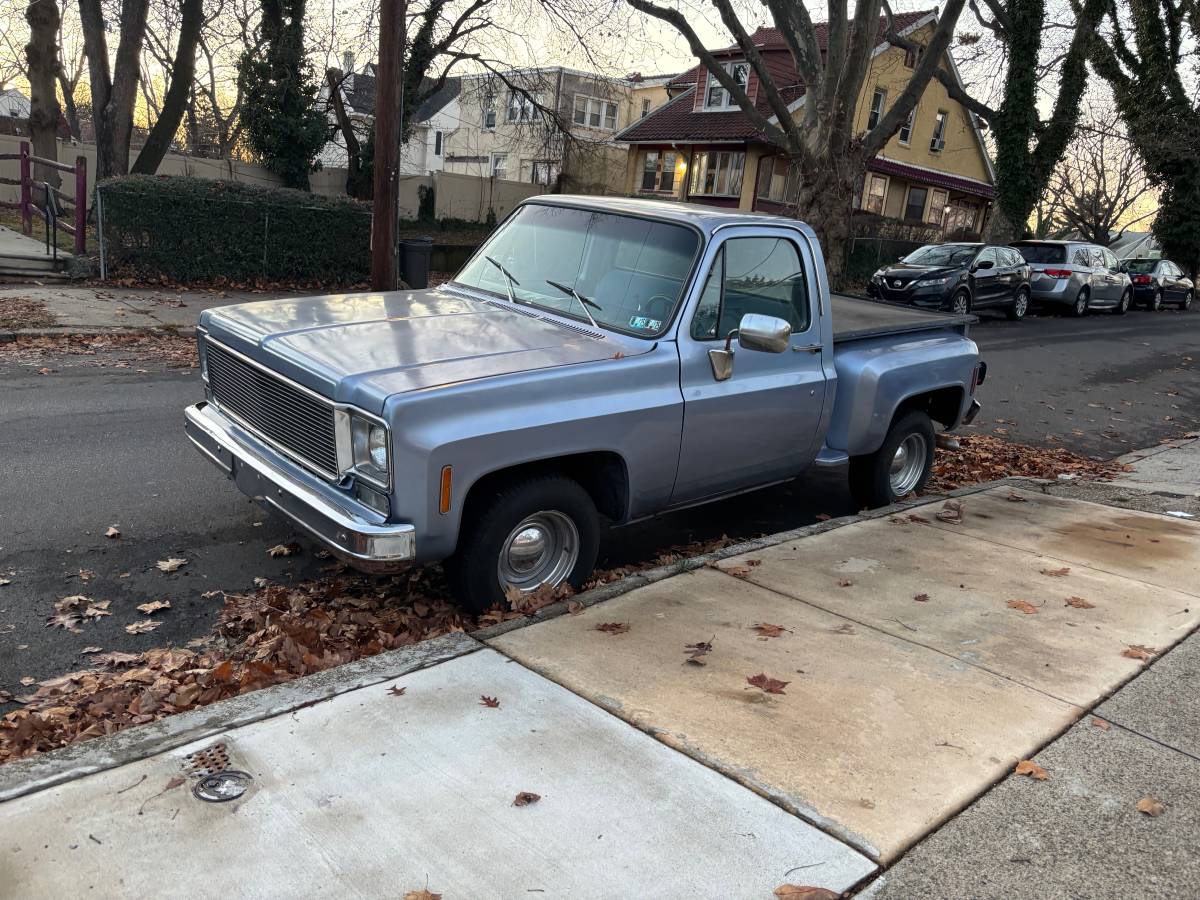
(1157, 303)
(960, 303)
(536, 532)
(1080, 306)
(1020, 306)
(1186, 303)
(899, 467)
(1123, 307)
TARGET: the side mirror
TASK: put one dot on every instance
(984, 264)
(1123, 268)
(767, 334)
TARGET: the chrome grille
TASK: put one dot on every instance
(294, 420)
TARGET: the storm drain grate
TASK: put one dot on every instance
(209, 761)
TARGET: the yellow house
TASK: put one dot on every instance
(699, 146)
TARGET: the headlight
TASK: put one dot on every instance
(878, 276)
(369, 442)
(933, 282)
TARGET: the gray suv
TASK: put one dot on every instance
(1077, 275)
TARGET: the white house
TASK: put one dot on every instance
(14, 104)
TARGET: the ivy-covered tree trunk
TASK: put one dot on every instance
(283, 124)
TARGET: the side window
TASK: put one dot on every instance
(1097, 258)
(1016, 258)
(1110, 260)
(1081, 258)
(988, 253)
(752, 275)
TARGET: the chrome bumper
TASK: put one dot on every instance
(370, 546)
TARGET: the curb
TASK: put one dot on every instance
(8, 337)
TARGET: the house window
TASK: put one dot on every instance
(717, 174)
(489, 112)
(715, 96)
(437, 143)
(522, 107)
(544, 172)
(876, 194)
(960, 216)
(938, 142)
(906, 128)
(645, 107)
(937, 207)
(878, 99)
(500, 166)
(914, 209)
(778, 180)
(913, 56)
(658, 171)
(592, 112)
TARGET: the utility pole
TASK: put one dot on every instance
(389, 113)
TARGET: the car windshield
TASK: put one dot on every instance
(628, 272)
(1141, 265)
(1042, 253)
(943, 255)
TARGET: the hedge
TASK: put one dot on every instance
(194, 229)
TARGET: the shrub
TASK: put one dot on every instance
(193, 229)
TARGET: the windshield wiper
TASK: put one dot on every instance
(509, 280)
(584, 302)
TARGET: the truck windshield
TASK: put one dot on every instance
(943, 255)
(630, 271)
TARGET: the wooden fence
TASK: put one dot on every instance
(52, 198)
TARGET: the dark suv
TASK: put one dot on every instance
(957, 277)
(1159, 281)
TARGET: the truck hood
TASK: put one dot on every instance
(363, 348)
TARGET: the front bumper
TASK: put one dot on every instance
(932, 297)
(372, 546)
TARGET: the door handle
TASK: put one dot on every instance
(811, 348)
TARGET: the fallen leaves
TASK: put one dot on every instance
(112, 532)
(171, 565)
(845, 582)
(422, 895)
(1024, 606)
(154, 606)
(489, 702)
(804, 892)
(612, 627)
(1057, 573)
(1151, 806)
(952, 512)
(1079, 603)
(986, 458)
(766, 684)
(525, 798)
(736, 571)
(142, 627)
(921, 598)
(284, 549)
(1014, 497)
(1031, 769)
(1138, 651)
(767, 630)
(397, 691)
(698, 650)
(1100, 723)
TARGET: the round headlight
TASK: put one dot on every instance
(377, 447)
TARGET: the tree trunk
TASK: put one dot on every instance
(42, 55)
(113, 90)
(72, 112)
(825, 204)
(389, 101)
(357, 185)
(1001, 229)
(183, 70)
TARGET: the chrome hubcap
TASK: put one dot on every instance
(1022, 304)
(960, 304)
(908, 464)
(542, 549)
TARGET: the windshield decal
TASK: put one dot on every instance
(642, 323)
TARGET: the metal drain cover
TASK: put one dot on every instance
(222, 786)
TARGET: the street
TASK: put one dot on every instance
(86, 447)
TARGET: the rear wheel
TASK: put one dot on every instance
(960, 303)
(899, 467)
(1080, 306)
(1157, 303)
(1123, 307)
(1020, 306)
(1186, 303)
(538, 531)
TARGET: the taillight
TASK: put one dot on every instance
(1141, 279)
(978, 374)
(1057, 273)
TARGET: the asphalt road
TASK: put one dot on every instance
(86, 447)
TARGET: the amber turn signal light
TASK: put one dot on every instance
(447, 488)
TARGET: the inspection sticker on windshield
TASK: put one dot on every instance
(645, 324)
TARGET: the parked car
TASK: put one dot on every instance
(960, 278)
(1079, 276)
(597, 359)
(1159, 281)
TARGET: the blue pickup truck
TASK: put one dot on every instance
(596, 362)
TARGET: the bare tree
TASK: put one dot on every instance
(229, 29)
(70, 65)
(182, 67)
(42, 54)
(114, 89)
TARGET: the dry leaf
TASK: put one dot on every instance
(154, 606)
(1138, 651)
(804, 892)
(1079, 603)
(847, 628)
(575, 607)
(396, 691)
(822, 517)
(1014, 497)
(489, 702)
(952, 511)
(922, 598)
(285, 549)
(27, 681)
(75, 601)
(845, 582)
(525, 798)
(1032, 769)
(1101, 723)
(737, 571)
(767, 685)
(170, 565)
(612, 627)
(1151, 806)
(1023, 605)
(919, 519)
(112, 532)
(768, 630)
(422, 895)
(1057, 573)
(96, 609)
(697, 650)
(66, 620)
(91, 650)
(142, 627)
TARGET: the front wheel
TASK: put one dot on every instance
(899, 467)
(538, 532)
(1123, 307)
(1156, 303)
(1020, 306)
(960, 303)
(1186, 303)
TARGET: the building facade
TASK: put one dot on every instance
(700, 147)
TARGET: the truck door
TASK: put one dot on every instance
(760, 424)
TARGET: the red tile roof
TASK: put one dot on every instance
(678, 121)
(937, 179)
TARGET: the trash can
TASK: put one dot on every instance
(414, 261)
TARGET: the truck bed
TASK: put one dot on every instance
(855, 318)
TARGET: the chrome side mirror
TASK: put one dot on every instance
(766, 334)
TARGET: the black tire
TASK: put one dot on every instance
(1020, 306)
(1156, 304)
(961, 299)
(1080, 306)
(1186, 302)
(871, 476)
(473, 571)
(1123, 305)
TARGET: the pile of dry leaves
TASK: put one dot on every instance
(24, 312)
(165, 348)
(986, 458)
(262, 638)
